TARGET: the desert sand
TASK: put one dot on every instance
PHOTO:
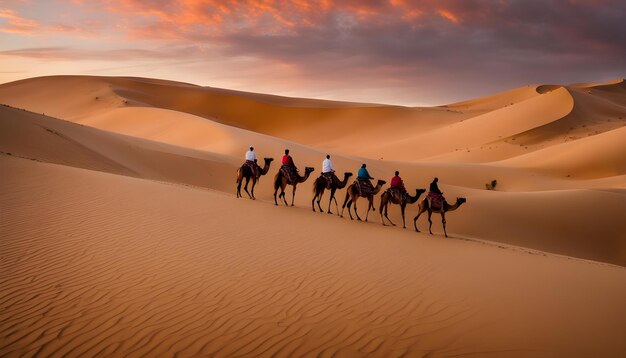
(121, 234)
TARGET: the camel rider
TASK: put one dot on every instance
(434, 187)
(289, 168)
(435, 196)
(398, 184)
(328, 170)
(363, 180)
(251, 162)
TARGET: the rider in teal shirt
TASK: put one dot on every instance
(363, 173)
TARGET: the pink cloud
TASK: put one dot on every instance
(215, 17)
(17, 24)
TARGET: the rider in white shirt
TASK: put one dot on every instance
(328, 171)
(251, 161)
(251, 155)
(327, 165)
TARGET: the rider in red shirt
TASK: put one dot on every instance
(396, 182)
(287, 160)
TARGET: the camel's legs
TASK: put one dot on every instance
(252, 189)
(369, 206)
(332, 195)
(336, 205)
(443, 221)
(319, 199)
(382, 220)
(402, 207)
(356, 212)
(350, 208)
(430, 222)
(239, 188)
(282, 192)
(316, 196)
(245, 187)
(275, 192)
(293, 194)
(386, 216)
(415, 220)
(345, 201)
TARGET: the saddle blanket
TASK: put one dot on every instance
(289, 172)
(253, 167)
(436, 200)
(397, 194)
(365, 187)
(330, 178)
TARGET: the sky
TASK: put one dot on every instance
(414, 53)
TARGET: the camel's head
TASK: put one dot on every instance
(461, 200)
(347, 174)
(268, 160)
(420, 191)
(381, 182)
(308, 169)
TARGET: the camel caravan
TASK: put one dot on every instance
(361, 187)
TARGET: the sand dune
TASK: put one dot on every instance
(494, 127)
(29, 135)
(120, 234)
(46, 139)
(598, 156)
(503, 125)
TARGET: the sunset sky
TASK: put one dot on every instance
(397, 51)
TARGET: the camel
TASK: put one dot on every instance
(352, 195)
(386, 198)
(425, 206)
(245, 172)
(320, 185)
(281, 182)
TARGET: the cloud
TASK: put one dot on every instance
(437, 49)
(17, 24)
(75, 54)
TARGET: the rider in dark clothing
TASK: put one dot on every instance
(434, 188)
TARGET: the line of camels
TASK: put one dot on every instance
(352, 195)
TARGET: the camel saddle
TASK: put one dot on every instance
(397, 194)
(435, 200)
(330, 178)
(364, 186)
(254, 168)
(289, 172)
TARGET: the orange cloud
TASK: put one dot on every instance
(447, 14)
(253, 16)
(16, 23)
(201, 18)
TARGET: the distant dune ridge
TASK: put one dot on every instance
(121, 234)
